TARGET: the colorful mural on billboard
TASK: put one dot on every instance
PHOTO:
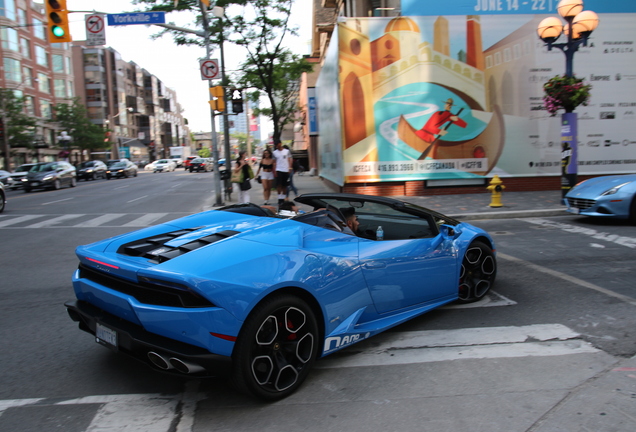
(460, 97)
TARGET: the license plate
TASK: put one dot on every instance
(104, 335)
(574, 210)
(35, 183)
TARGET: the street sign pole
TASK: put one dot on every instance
(215, 145)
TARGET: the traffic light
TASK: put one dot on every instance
(57, 21)
(237, 101)
(218, 101)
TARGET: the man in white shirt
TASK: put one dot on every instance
(283, 159)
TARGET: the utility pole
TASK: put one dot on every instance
(215, 145)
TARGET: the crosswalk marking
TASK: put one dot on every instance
(100, 220)
(17, 220)
(145, 220)
(109, 220)
(54, 221)
(177, 412)
(476, 343)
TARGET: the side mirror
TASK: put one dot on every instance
(450, 231)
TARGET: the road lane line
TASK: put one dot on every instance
(137, 199)
(57, 201)
(568, 278)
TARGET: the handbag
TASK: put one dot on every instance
(258, 179)
(237, 176)
(246, 185)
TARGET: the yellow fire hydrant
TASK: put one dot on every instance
(496, 188)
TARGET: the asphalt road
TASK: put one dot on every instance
(561, 317)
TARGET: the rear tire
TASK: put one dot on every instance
(276, 348)
(632, 211)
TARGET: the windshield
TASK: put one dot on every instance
(23, 168)
(163, 161)
(87, 164)
(44, 167)
(199, 160)
(118, 165)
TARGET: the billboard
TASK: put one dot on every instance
(460, 96)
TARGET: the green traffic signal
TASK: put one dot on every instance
(58, 31)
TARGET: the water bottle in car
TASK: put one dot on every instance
(379, 234)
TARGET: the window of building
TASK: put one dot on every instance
(41, 57)
(27, 76)
(25, 47)
(497, 58)
(7, 9)
(526, 47)
(93, 95)
(92, 77)
(59, 88)
(91, 59)
(29, 106)
(38, 28)
(69, 69)
(44, 84)
(12, 70)
(507, 57)
(95, 112)
(58, 63)
(45, 108)
(22, 17)
(488, 62)
(9, 38)
(517, 51)
(69, 89)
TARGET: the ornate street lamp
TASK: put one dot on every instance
(579, 26)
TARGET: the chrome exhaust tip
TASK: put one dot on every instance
(160, 361)
(185, 367)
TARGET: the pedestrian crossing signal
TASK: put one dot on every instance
(57, 21)
(237, 101)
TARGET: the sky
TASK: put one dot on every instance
(178, 66)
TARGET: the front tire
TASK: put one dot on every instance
(73, 182)
(57, 185)
(276, 348)
(478, 272)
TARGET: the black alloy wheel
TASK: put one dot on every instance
(478, 272)
(276, 348)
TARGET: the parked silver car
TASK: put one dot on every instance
(15, 180)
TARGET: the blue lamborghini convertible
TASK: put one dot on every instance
(269, 295)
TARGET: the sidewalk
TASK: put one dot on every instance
(463, 207)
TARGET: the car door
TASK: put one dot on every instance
(404, 273)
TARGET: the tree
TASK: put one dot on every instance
(73, 118)
(19, 126)
(260, 26)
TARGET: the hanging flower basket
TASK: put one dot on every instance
(563, 92)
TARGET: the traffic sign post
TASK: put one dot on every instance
(209, 69)
(95, 29)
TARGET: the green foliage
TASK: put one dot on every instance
(20, 127)
(563, 92)
(260, 27)
(74, 120)
(204, 152)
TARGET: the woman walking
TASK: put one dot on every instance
(244, 186)
(267, 165)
